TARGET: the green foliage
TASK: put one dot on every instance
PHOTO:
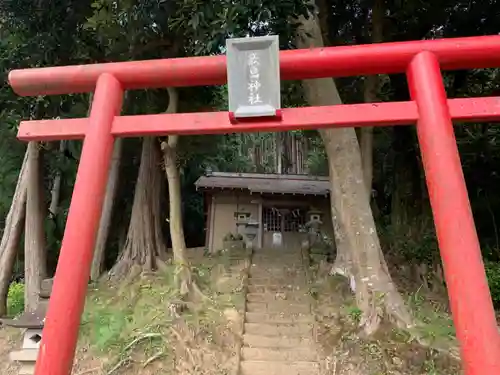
(11, 157)
(208, 23)
(317, 160)
(354, 313)
(493, 275)
(414, 245)
(15, 299)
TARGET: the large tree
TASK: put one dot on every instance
(12, 231)
(184, 277)
(145, 246)
(34, 239)
(359, 255)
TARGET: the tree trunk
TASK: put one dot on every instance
(184, 277)
(34, 243)
(359, 255)
(144, 248)
(55, 193)
(107, 211)
(371, 96)
(12, 234)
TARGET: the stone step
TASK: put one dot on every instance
(279, 306)
(259, 341)
(24, 355)
(279, 318)
(276, 280)
(276, 268)
(242, 255)
(279, 250)
(27, 359)
(237, 259)
(278, 263)
(27, 369)
(272, 354)
(295, 296)
(277, 254)
(278, 275)
(278, 368)
(277, 288)
(283, 329)
(278, 257)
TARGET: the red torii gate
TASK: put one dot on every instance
(422, 61)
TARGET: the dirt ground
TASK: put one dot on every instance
(138, 327)
(9, 338)
(141, 326)
(391, 351)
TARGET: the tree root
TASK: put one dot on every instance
(153, 358)
(120, 364)
(89, 371)
(376, 303)
(142, 338)
(188, 287)
(128, 359)
(451, 351)
(128, 270)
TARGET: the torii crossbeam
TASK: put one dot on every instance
(429, 109)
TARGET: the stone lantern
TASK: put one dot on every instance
(32, 324)
(314, 225)
(251, 231)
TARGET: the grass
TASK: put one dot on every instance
(436, 321)
(115, 315)
(119, 319)
(15, 299)
(143, 324)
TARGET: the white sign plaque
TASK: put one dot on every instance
(253, 76)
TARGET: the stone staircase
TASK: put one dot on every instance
(278, 332)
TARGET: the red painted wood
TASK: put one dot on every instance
(458, 53)
(470, 299)
(67, 300)
(380, 114)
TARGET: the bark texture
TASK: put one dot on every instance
(359, 255)
(34, 243)
(184, 277)
(107, 212)
(55, 193)
(11, 237)
(144, 248)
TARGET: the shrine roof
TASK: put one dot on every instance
(265, 183)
